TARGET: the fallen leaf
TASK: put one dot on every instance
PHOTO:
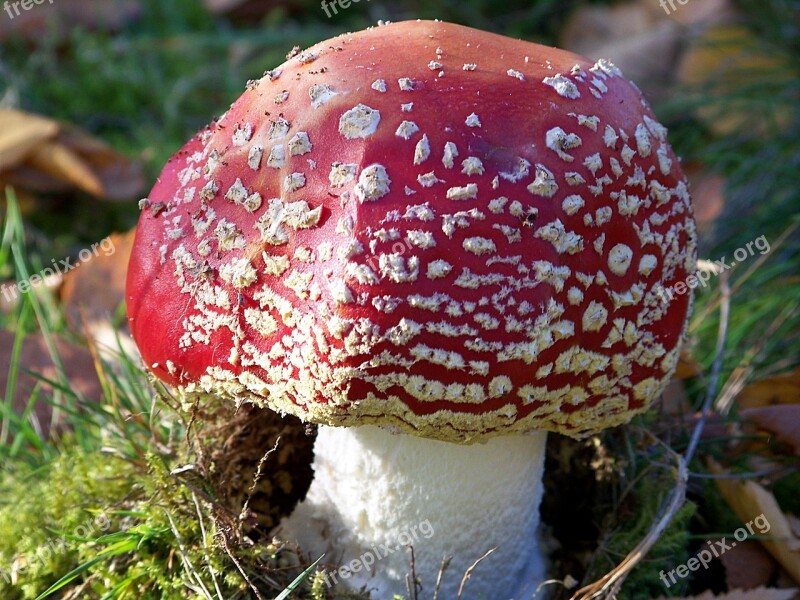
(79, 368)
(748, 566)
(708, 193)
(95, 289)
(783, 421)
(41, 155)
(92, 294)
(62, 163)
(121, 177)
(780, 389)
(687, 365)
(749, 501)
(20, 133)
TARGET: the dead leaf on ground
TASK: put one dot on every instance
(121, 177)
(783, 421)
(60, 162)
(748, 566)
(92, 294)
(20, 133)
(749, 501)
(96, 288)
(78, 364)
(708, 193)
(41, 155)
(780, 389)
(687, 365)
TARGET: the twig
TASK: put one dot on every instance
(239, 567)
(413, 576)
(442, 568)
(205, 547)
(259, 473)
(722, 336)
(609, 584)
(185, 558)
(468, 572)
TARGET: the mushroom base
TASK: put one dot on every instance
(376, 493)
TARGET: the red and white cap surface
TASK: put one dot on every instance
(424, 226)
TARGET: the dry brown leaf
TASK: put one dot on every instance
(748, 566)
(95, 290)
(749, 500)
(10, 293)
(780, 389)
(674, 399)
(783, 421)
(708, 193)
(761, 593)
(687, 365)
(20, 133)
(92, 294)
(62, 163)
(41, 155)
(121, 177)
(78, 365)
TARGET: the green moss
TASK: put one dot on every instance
(632, 524)
(49, 516)
(134, 529)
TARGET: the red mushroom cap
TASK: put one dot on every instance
(427, 226)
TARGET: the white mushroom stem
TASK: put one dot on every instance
(375, 492)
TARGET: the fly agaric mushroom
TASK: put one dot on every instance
(422, 231)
